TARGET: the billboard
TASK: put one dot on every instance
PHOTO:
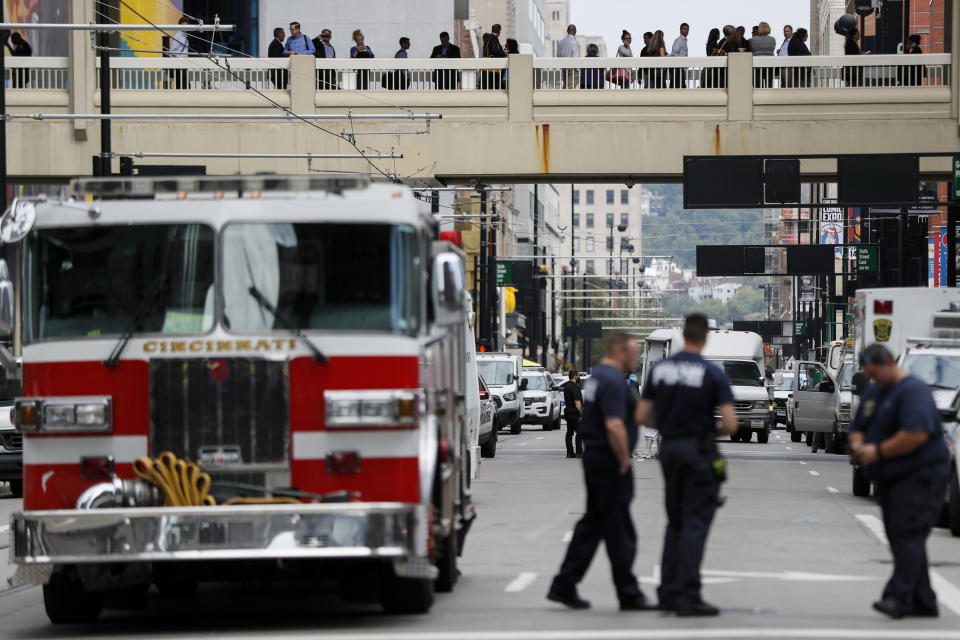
(943, 257)
(831, 223)
(43, 43)
(142, 43)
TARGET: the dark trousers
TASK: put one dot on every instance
(573, 432)
(692, 496)
(910, 508)
(607, 518)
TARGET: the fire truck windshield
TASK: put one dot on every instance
(321, 276)
(113, 280)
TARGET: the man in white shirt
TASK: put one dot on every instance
(179, 48)
(570, 48)
(679, 50)
(784, 50)
(785, 46)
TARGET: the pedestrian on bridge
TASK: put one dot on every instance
(445, 78)
(679, 397)
(569, 48)
(898, 437)
(609, 435)
(680, 50)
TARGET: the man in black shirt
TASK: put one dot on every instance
(680, 397)
(898, 436)
(572, 410)
(609, 435)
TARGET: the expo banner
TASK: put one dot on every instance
(140, 43)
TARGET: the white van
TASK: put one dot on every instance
(740, 355)
(501, 372)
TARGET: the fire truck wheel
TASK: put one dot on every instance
(67, 602)
(447, 564)
(16, 488)
(515, 428)
(405, 595)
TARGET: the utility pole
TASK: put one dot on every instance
(483, 313)
(104, 167)
(494, 308)
(3, 126)
(533, 320)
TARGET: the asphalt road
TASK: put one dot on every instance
(792, 555)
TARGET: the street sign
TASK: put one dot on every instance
(956, 178)
(868, 259)
(504, 274)
(800, 329)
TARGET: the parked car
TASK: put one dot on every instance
(501, 372)
(540, 403)
(822, 404)
(781, 394)
(488, 415)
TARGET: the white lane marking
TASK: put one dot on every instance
(789, 448)
(947, 593)
(833, 490)
(875, 526)
(814, 473)
(788, 576)
(523, 444)
(803, 463)
(568, 536)
(539, 437)
(4, 528)
(521, 582)
(634, 634)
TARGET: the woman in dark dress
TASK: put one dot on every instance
(657, 49)
(798, 47)
(707, 74)
(853, 76)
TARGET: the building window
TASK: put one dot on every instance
(576, 196)
(590, 246)
(609, 243)
(624, 196)
(589, 196)
(576, 245)
(576, 220)
(625, 219)
(609, 219)
(589, 219)
(609, 196)
(590, 268)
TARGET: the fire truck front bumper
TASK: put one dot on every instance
(386, 531)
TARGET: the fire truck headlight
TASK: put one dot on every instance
(81, 413)
(371, 408)
(92, 415)
(59, 415)
(510, 397)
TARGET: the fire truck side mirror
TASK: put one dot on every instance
(7, 318)
(448, 288)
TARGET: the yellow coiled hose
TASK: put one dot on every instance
(185, 484)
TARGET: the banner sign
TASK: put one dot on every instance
(831, 223)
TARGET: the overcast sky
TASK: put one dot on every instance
(608, 18)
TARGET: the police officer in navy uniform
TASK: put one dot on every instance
(572, 410)
(679, 397)
(609, 436)
(897, 435)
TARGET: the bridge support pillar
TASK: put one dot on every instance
(520, 88)
(303, 84)
(82, 67)
(740, 86)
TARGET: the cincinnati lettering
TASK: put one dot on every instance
(219, 346)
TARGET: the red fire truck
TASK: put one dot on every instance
(234, 377)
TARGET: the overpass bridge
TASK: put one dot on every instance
(520, 119)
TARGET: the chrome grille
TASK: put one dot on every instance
(225, 412)
(11, 441)
(743, 405)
